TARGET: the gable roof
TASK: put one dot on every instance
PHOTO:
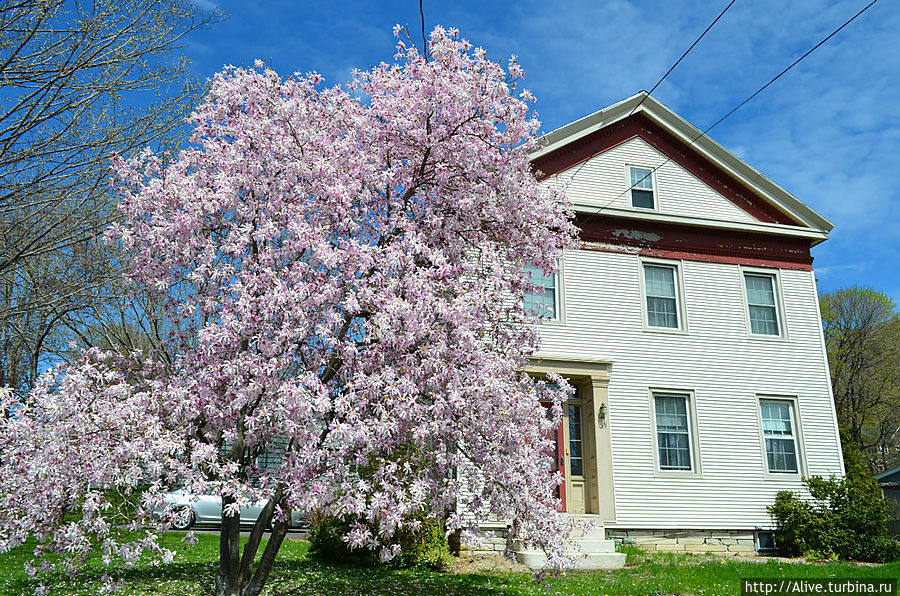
(682, 142)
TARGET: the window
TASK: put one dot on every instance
(762, 304)
(641, 185)
(661, 291)
(673, 432)
(780, 435)
(542, 303)
(576, 455)
(272, 455)
(765, 541)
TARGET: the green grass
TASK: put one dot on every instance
(194, 571)
(685, 574)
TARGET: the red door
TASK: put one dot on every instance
(557, 459)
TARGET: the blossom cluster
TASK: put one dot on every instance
(342, 271)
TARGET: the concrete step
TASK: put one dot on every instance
(589, 547)
(594, 546)
(535, 559)
(577, 546)
(597, 530)
(594, 533)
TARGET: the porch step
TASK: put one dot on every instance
(595, 533)
(536, 559)
(587, 527)
(577, 547)
(590, 548)
(595, 546)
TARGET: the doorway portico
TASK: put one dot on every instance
(583, 439)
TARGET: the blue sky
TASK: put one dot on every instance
(828, 131)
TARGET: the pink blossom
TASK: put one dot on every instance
(341, 271)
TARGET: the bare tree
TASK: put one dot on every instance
(80, 81)
(862, 336)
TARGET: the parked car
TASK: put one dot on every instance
(207, 509)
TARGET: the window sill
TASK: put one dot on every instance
(789, 476)
(671, 474)
(665, 330)
(761, 337)
(552, 322)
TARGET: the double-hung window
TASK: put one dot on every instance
(762, 304)
(779, 431)
(661, 296)
(641, 187)
(674, 446)
(543, 301)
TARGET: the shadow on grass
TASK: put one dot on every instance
(288, 578)
(174, 578)
(297, 575)
(304, 578)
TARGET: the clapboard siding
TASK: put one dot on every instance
(724, 368)
(601, 181)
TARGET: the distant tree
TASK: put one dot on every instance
(81, 81)
(862, 337)
(343, 271)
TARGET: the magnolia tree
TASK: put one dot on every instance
(343, 271)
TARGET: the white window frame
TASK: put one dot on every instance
(693, 433)
(559, 312)
(797, 436)
(780, 317)
(680, 310)
(654, 190)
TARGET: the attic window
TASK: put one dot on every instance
(641, 181)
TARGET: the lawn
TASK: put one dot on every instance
(295, 575)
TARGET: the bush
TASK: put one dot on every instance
(326, 543)
(422, 539)
(425, 546)
(846, 518)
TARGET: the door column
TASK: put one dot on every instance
(604, 495)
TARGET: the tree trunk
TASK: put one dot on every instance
(237, 574)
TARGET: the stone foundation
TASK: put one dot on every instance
(492, 542)
(719, 542)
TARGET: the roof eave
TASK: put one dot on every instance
(691, 135)
(887, 473)
(814, 236)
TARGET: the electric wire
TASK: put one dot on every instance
(720, 120)
(686, 52)
(663, 78)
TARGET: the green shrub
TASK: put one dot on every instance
(326, 543)
(424, 547)
(845, 518)
(422, 539)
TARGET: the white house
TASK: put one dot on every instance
(688, 320)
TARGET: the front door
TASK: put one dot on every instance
(557, 457)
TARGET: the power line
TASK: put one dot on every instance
(686, 52)
(677, 62)
(732, 111)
